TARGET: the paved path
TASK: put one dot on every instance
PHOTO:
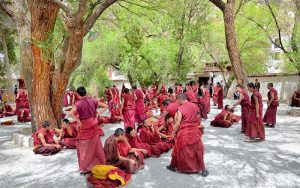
(230, 161)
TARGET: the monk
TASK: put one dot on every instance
(223, 119)
(295, 102)
(89, 146)
(220, 96)
(128, 108)
(21, 99)
(169, 108)
(244, 101)
(68, 134)
(149, 134)
(167, 127)
(178, 89)
(270, 114)
(139, 105)
(43, 141)
(215, 94)
(24, 115)
(206, 95)
(171, 94)
(7, 110)
(255, 131)
(135, 142)
(188, 152)
(121, 155)
(202, 103)
(194, 86)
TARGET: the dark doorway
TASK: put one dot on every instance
(203, 80)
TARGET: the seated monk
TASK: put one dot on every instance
(119, 153)
(167, 127)
(135, 142)
(223, 118)
(7, 110)
(115, 115)
(149, 134)
(68, 134)
(44, 143)
(296, 99)
(24, 115)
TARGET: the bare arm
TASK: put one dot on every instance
(256, 106)
(177, 122)
(103, 106)
(239, 101)
(72, 114)
(41, 137)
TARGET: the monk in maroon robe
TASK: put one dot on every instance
(220, 96)
(223, 119)
(255, 131)
(89, 146)
(69, 134)
(24, 115)
(120, 154)
(135, 142)
(150, 135)
(295, 102)
(169, 108)
(202, 103)
(206, 96)
(128, 108)
(167, 127)
(244, 101)
(139, 105)
(21, 100)
(171, 94)
(7, 110)
(273, 103)
(215, 94)
(188, 152)
(43, 141)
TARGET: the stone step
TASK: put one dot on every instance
(22, 140)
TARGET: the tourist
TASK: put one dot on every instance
(121, 155)
(270, 114)
(89, 146)
(43, 141)
(255, 130)
(128, 108)
(244, 101)
(188, 152)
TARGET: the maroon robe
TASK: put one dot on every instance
(245, 107)
(111, 149)
(139, 106)
(128, 110)
(38, 146)
(195, 89)
(202, 107)
(270, 114)
(207, 99)
(215, 94)
(22, 100)
(9, 111)
(89, 146)
(219, 120)
(172, 108)
(256, 128)
(188, 151)
(295, 102)
(220, 98)
(25, 117)
(152, 138)
(70, 140)
(136, 142)
(178, 90)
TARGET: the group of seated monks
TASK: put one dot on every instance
(23, 114)
(126, 149)
(6, 110)
(225, 118)
(49, 141)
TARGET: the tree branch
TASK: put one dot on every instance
(7, 8)
(96, 13)
(65, 7)
(219, 3)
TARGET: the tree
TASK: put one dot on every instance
(46, 74)
(231, 39)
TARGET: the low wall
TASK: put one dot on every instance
(285, 84)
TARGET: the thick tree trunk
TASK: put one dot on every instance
(228, 85)
(6, 61)
(232, 46)
(43, 17)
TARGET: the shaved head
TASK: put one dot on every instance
(181, 96)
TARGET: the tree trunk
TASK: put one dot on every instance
(295, 36)
(228, 85)
(6, 61)
(43, 17)
(232, 46)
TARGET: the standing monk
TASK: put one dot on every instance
(89, 146)
(255, 130)
(270, 114)
(244, 101)
(220, 96)
(139, 105)
(128, 108)
(188, 151)
(206, 95)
